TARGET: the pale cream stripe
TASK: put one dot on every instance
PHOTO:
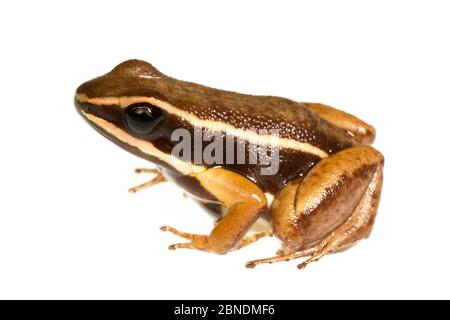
(247, 135)
(145, 146)
(269, 198)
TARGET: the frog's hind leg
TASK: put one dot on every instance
(332, 208)
(158, 178)
(361, 131)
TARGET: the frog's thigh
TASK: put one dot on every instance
(358, 226)
(331, 208)
(245, 202)
(363, 132)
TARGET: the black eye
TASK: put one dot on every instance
(144, 118)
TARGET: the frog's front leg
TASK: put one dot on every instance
(158, 178)
(245, 202)
(329, 209)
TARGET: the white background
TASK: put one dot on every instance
(68, 227)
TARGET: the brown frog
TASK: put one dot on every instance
(322, 197)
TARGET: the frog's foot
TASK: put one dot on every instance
(197, 241)
(200, 242)
(155, 180)
(282, 255)
(314, 254)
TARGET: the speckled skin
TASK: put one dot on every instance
(245, 111)
(321, 205)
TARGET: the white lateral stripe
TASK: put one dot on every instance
(145, 146)
(247, 135)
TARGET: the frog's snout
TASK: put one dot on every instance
(78, 100)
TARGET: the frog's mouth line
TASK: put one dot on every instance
(250, 136)
(142, 145)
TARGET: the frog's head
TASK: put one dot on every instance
(130, 78)
(129, 106)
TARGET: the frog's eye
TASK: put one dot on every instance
(144, 118)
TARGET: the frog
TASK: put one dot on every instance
(321, 199)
